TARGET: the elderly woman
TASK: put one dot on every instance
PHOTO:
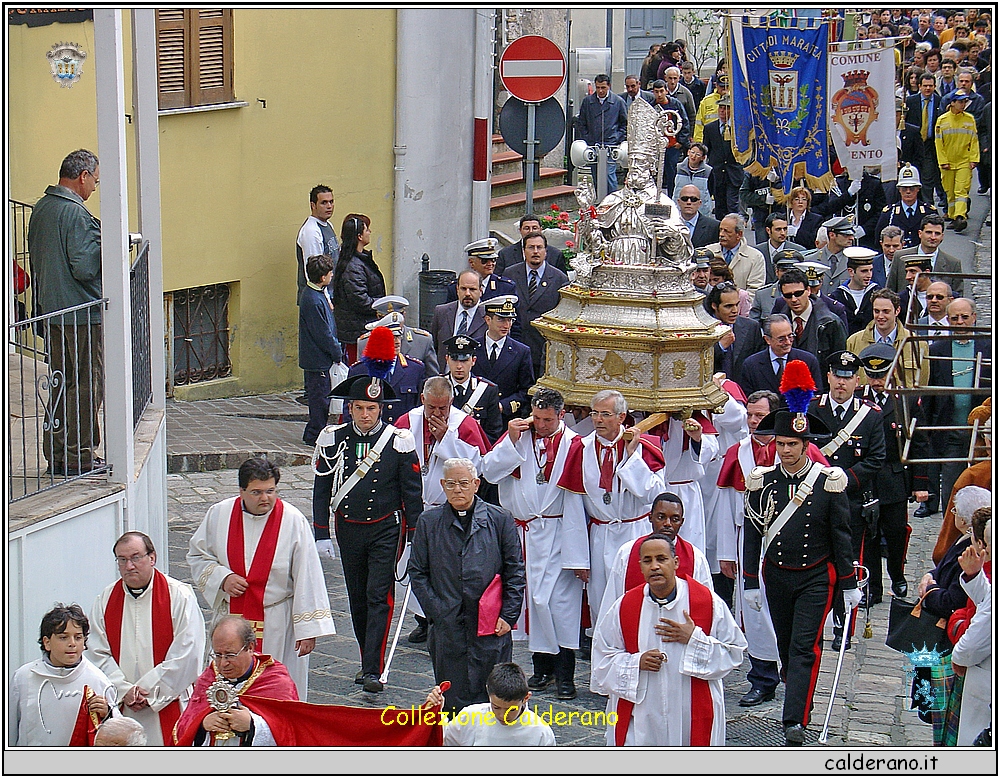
(942, 594)
(357, 283)
(802, 223)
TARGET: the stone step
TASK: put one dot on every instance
(509, 183)
(499, 144)
(506, 162)
(512, 205)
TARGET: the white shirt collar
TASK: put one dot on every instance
(540, 270)
(498, 343)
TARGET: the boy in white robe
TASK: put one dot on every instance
(668, 690)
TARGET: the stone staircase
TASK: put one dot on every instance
(507, 185)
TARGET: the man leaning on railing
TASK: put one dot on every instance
(64, 245)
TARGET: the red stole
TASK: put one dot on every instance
(572, 475)
(163, 635)
(700, 608)
(85, 729)
(251, 604)
(685, 562)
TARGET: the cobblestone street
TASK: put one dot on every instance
(871, 701)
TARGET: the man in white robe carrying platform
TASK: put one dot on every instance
(527, 463)
(148, 636)
(255, 556)
(618, 481)
(660, 654)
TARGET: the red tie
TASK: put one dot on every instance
(607, 467)
(799, 325)
(763, 453)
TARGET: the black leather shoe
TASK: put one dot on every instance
(899, 588)
(837, 638)
(419, 635)
(982, 190)
(755, 697)
(960, 224)
(795, 735)
(360, 677)
(372, 684)
(922, 511)
(565, 690)
(538, 682)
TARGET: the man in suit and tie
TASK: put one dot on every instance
(538, 285)
(462, 316)
(632, 91)
(766, 298)
(934, 322)
(514, 253)
(923, 110)
(503, 360)
(743, 259)
(776, 227)
(763, 370)
(816, 328)
(891, 241)
(930, 235)
(727, 171)
(483, 259)
(704, 229)
(743, 339)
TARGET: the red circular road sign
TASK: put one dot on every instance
(532, 68)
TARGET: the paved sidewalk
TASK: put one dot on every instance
(871, 700)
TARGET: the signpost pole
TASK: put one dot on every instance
(529, 160)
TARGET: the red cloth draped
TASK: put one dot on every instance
(85, 729)
(572, 474)
(685, 562)
(250, 605)
(701, 712)
(731, 472)
(163, 635)
(272, 696)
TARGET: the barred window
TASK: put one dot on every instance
(194, 56)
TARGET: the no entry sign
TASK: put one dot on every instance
(532, 68)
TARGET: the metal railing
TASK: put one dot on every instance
(142, 366)
(20, 215)
(56, 384)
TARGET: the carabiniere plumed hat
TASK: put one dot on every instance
(364, 387)
(798, 388)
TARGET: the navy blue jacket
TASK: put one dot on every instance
(599, 123)
(319, 347)
(406, 380)
(513, 374)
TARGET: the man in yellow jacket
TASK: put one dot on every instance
(708, 111)
(913, 368)
(958, 154)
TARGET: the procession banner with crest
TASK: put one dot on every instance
(779, 92)
(863, 107)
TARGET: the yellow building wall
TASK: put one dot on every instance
(235, 182)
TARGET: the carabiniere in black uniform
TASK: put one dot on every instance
(371, 517)
(807, 562)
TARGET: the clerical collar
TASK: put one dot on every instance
(372, 431)
(666, 600)
(801, 472)
(137, 593)
(242, 678)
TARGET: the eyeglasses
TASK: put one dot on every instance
(959, 317)
(789, 338)
(229, 657)
(726, 286)
(97, 181)
(451, 485)
(262, 492)
(134, 559)
(602, 414)
(936, 297)
(790, 295)
(689, 199)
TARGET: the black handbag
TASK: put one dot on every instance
(911, 628)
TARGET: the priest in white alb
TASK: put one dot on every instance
(255, 557)
(527, 463)
(147, 634)
(618, 481)
(660, 654)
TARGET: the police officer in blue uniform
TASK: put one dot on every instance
(906, 216)
(483, 259)
(503, 360)
(404, 374)
(367, 473)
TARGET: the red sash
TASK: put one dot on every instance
(250, 605)
(685, 562)
(163, 635)
(85, 729)
(700, 608)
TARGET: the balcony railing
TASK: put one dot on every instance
(56, 390)
(142, 370)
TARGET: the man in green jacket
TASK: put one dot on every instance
(64, 244)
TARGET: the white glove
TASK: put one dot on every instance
(772, 175)
(752, 598)
(325, 548)
(852, 598)
(854, 188)
(770, 198)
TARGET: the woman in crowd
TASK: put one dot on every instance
(802, 223)
(695, 171)
(357, 283)
(647, 74)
